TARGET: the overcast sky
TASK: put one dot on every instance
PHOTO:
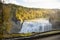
(48, 4)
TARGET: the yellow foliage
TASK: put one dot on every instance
(23, 14)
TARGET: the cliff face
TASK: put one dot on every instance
(14, 16)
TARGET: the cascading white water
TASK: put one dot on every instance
(36, 25)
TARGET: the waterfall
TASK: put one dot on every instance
(36, 25)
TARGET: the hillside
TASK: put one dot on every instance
(24, 13)
(14, 16)
(17, 13)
